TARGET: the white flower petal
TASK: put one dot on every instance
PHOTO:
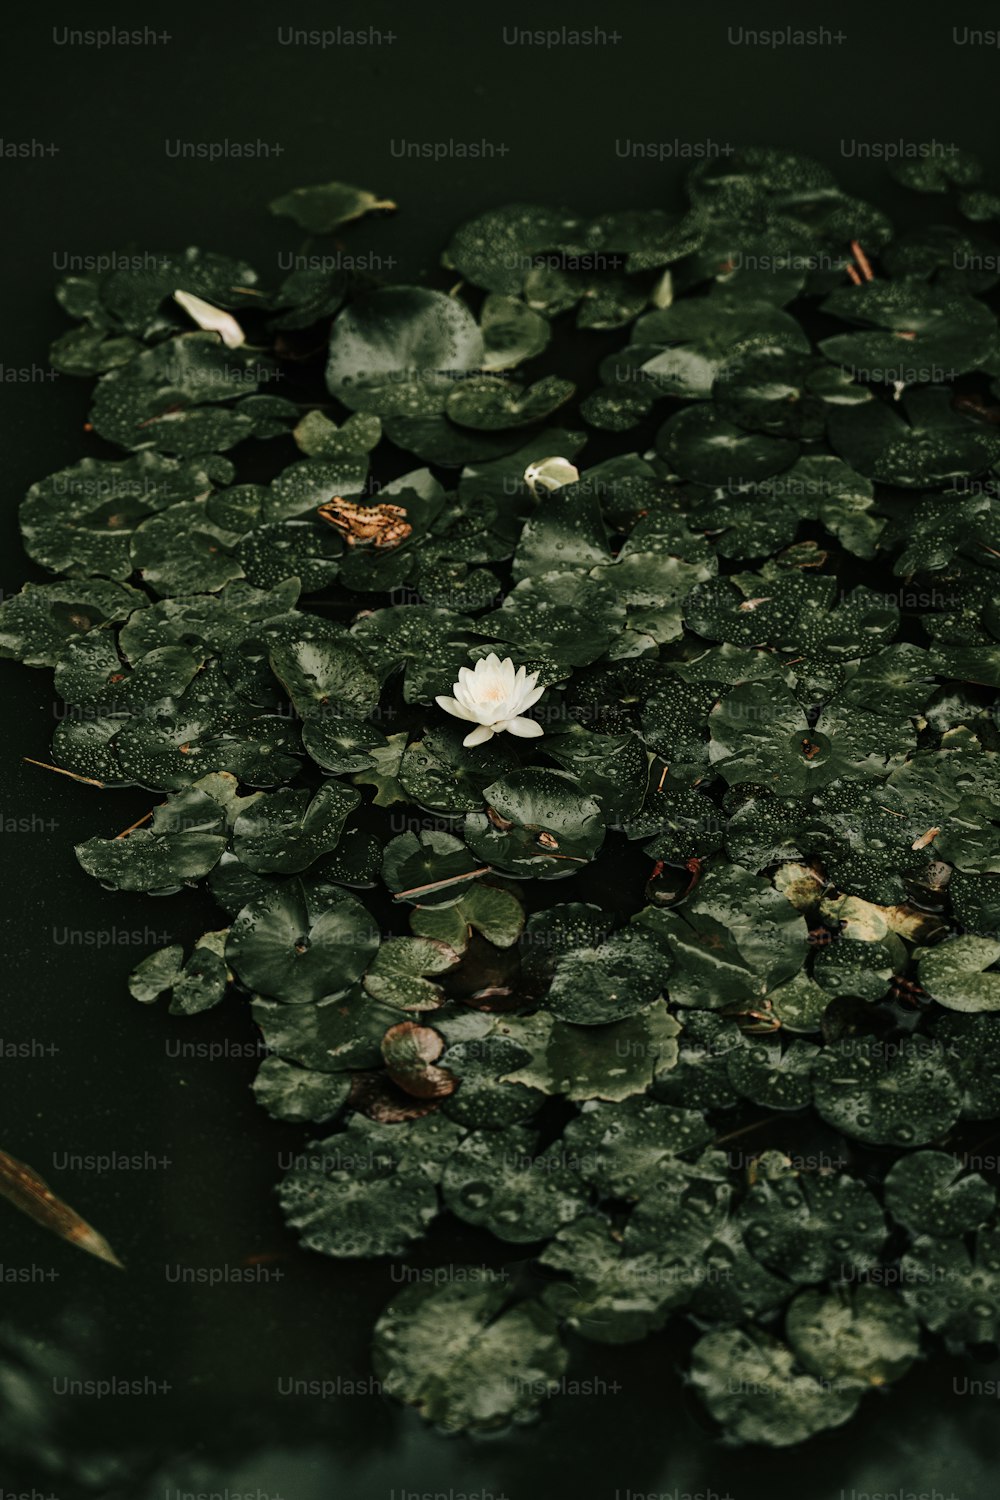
(212, 319)
(451, 707)
(525, 729)
(478, 736)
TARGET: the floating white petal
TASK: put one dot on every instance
(212, 319)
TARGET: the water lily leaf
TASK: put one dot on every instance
(682, 1214)
(852, 967)
(518, 1195)
(700, 1079)
(700, 334)
(540, 825)
(924, 445)
(181, 551)
(292, 1093)
(285, 832)
(761, 734)
(594, 986)
(170, 397)
(202, 982)
(89, 351)
(793, 613)
(864, 1334)
(497, 249)
(323, 208)
(905, 1099)
(926, 333)
(929, 1192)
(319, 674)
(627, 1148)
(81, 520)
(431, 644)
(156, 974)
(566, 615)
(331, 1036)
(810, 1227)
(436, 440)
(953, 973)
(301, 942)
(395, 351)
(483, 1099)
(437, 772)
(512, 332)
(410, 1052)
(300, 489)
(185, 839)
(566, 531)
(971, 1045)
(701, 445)
(397, 974)
(772, 1077)
(610, 1062)
(750, 1384)
(371, 1189)
(489, 403)
(37, 623)
(799, 1004)
(467, 1359)
(495, 912)
(431, 868)
(318, 437)
(384, 771)
(207, 728)
(953, 1288)
(734, 940)
(290, 549)
(611, 1297)
(926, 169)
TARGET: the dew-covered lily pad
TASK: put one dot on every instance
(301, 942)
(466, 1355)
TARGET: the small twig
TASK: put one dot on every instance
(133, 826)
(90, 780)
(862, 260)
(440, 885)
(745, 1129)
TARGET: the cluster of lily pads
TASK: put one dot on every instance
(694, 992)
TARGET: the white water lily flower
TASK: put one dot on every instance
(212, 319)
(550, 474)
(492, 695)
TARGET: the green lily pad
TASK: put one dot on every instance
(954, 1287)
(300, 942)
(466, 1356)
(541, 825)
(323, 208)
(503, 1185)
(750, 1384)
(953, 973)
(903, 1096)
(371, 1189)
(184, 840)
(296, 1094)
(811, 1227)
(864, 1334)
(398, 973)
(285, 832)
(930, 1193)
(396, 351)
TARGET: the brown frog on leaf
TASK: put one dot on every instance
(382, 525)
